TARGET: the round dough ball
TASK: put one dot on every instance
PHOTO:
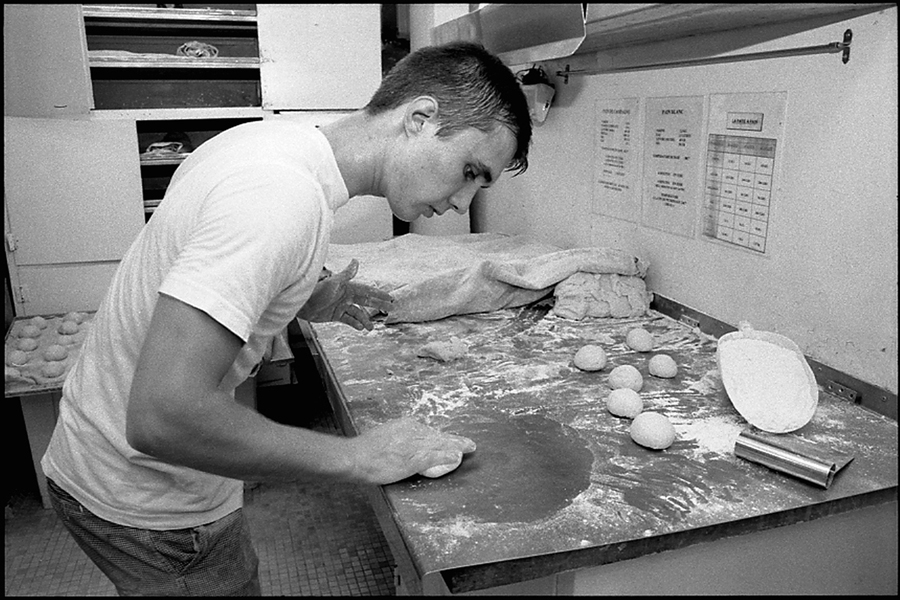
(440, 470)
(624, 402)
(53, 369)
(639, 339)
(626, 376)
(27, 344)
(652, 430)
(30, 331)
(39, 322)
(66, 340)
(16, 358)
(68, 327)
(75, 317)
(55, 352)
(590, 358)
(663, 365)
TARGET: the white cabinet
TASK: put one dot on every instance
(45, 69)
(73, 207)
(319, 56)
(76, 185)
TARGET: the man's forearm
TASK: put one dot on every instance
(218, 435)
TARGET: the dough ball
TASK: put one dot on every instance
(626, 376)
(30, 331)
(652, 430)
(624, 402)
(11, 373)
(444, 351)
(663, 365)
(16, 358)
(66, 340)
(639, 339)
(75, 317)
(53, 369)
(55, 352)
(27, 344)
(590, 358)
(440, 470)
(39, 322)
(68, 327)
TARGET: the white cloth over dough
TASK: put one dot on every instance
(432, 277)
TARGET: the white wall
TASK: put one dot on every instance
(829, 277)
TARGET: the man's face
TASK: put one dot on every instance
(435, 174)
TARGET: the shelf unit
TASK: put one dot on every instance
(135, 65)
(133, 54)
(157, 168)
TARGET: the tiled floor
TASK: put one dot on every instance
(312, 539)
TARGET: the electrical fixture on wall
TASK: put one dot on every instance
(538, 92)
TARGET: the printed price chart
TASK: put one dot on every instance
(738, 190)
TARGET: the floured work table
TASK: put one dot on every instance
(558, 499)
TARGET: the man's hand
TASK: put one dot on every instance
(336, 298)
(404, 447)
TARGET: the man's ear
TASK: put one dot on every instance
(419, 113)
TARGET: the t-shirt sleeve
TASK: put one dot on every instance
(255, 235)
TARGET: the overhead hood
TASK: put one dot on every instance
(528, 33)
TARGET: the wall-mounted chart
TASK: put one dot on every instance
(743, 146)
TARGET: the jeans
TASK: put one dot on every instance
(215, 559)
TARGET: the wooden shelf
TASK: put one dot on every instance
(119, 59)
(125, 12)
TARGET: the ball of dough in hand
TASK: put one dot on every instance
(590, 358)
(441, 470)
(663, 365)
(30, 331)
(16, 358)
(652, 430)
(53, 369)
(624, 402)
(55, 352)
(68, 327)
(639, 339)
(27, 344)
(626, 376)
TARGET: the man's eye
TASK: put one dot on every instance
(470, 174)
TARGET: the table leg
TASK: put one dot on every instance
(40, 412)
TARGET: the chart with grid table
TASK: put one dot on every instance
(738, 190)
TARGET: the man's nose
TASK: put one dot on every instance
(461, 200)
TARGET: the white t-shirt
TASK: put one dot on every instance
(242, 235)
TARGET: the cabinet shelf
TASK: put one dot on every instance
(120, 59)
(140, 13)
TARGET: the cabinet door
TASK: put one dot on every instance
(319, 56)
(45, 66)
(73, 189)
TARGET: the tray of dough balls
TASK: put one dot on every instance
(41, 350)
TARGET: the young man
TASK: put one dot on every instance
(146, 462)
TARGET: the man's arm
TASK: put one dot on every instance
(176, 413)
